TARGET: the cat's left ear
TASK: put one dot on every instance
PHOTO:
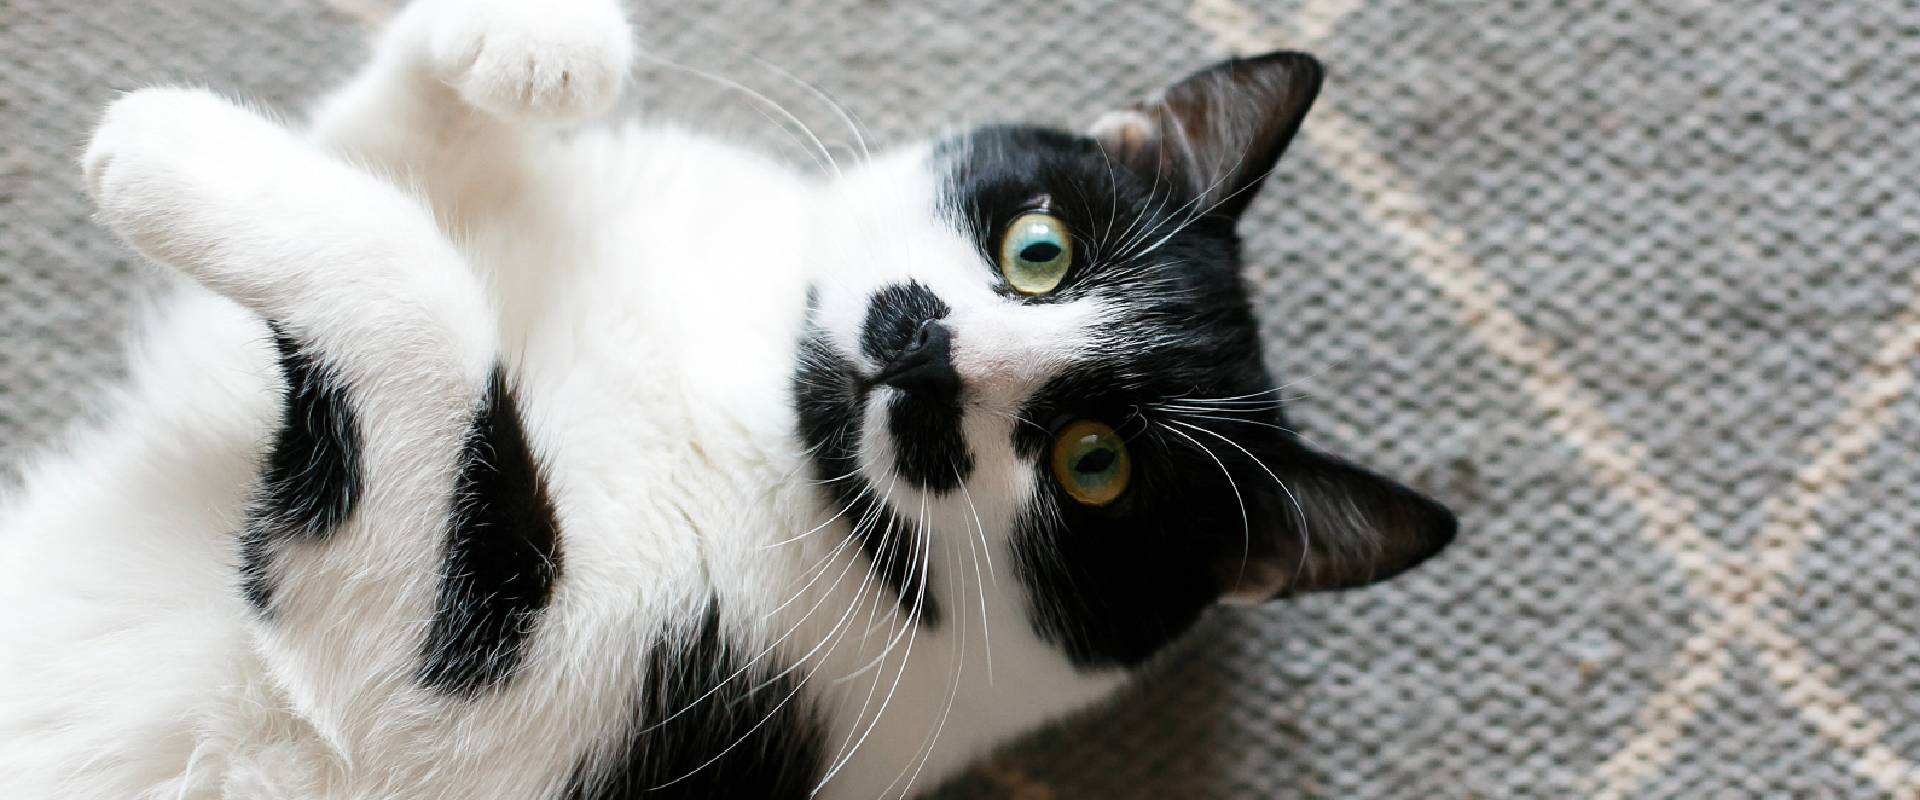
(1334, 526)
(1217, 133)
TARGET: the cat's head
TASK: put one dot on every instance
(1040, 343)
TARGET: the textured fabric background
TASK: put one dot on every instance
(1632, 285)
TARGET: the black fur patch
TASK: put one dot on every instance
(829, 397)
(310, 481)
(894, 314)
(762, 737)
(1112, 585)
(931, 451)
(1218, 481)
(503, 554)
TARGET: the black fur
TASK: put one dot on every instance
(899, 319)
(1217, 133)
(829, 395)
(310, 481)
(763, 738)
(1223, 497)
(938, 460)
(503, 554)
(1111, 585)
(894, 315)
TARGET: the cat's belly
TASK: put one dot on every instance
(666, 431)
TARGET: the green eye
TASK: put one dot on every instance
(1091, 463)
(1035, 253)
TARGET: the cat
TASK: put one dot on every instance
(480, 452)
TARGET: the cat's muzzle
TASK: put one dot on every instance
(925, 366)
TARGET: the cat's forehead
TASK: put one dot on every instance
(1152, 307)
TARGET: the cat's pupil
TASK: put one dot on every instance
(1040, 252)
(1096, 461)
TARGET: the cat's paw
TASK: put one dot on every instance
(561, 61)
(157, 163)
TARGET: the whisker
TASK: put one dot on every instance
(846, 117)
(986, 630)
(1256, 404)
(1126, 234)
(925, 751)
(798, 686)
(1190, 399)
(834, 634)
(1196, 414)
(830, 520)
(1124, 251)
(1014, 416)
(913, 628)
(1246, 540)
(1237, 407)
(873, 690)
(1250, 185)
(1306, 537)
(736, 742)
(1189, 204)
(824, 560)
(1113, 207)
(756, 96)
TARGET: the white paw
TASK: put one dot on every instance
(160, 159)
(556, 61)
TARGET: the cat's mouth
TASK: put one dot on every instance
(861, 430)
(916, 391)
(917, 394)
(906, 416)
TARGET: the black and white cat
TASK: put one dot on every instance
(481, 462)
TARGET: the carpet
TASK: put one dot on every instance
(1632, 286)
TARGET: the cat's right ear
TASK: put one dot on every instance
(1217, 133)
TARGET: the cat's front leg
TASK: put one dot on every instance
(402, 545)
(245, 207)
(459, 91)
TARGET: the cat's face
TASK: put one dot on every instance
(1038, 343)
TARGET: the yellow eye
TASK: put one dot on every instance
(1035, 253)
(1091, 463)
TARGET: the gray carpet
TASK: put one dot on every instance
(1631, 285)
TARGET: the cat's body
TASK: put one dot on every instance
(563, 473)
(724, 483)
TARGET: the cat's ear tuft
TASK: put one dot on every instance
(1336, 526)
(1217, 133)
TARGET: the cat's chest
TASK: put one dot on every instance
(668, 433)
(653, 338)
(661, 455)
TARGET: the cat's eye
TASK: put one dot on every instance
(1035, 253)
(1090, 462)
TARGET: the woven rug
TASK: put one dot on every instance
(1631, 285)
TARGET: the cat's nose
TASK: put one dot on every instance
(925, 365)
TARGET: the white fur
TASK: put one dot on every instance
(647, 288)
